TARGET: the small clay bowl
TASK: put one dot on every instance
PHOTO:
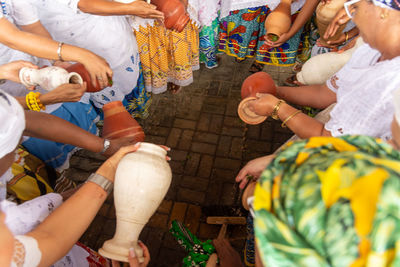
(247, 115)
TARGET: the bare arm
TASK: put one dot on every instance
(107, 8)
(316, 96)
(36, 28)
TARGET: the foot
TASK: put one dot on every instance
(239, 60)
(173, 88)
(256, 67)
(292, 81)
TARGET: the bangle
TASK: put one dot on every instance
(346, 37)
(33, 102)
(283, 125)
(274, 113)
(60, 44)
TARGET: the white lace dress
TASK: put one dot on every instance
(364, 89)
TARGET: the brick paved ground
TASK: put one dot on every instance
(209, 145)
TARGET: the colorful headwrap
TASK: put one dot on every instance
(12, 123)
(394, 4)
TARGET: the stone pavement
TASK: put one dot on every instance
(209, 146)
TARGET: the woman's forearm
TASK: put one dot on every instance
(49, 127)
(304, 15)
(62, 229)
(103, 7)
(301, 124)
(316, 96)
(36, 28)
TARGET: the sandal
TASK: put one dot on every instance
(239, 60)
(173, 88)
(256, 67)
(292, 81)
(297, 67)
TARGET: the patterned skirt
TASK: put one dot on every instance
(242, 35)
(209, 44)
(167, 56)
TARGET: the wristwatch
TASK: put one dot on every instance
(101, 181)
(106, 145)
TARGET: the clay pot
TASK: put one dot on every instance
(174, 13)
(246, 114)
(119, 123)
(141, 181)
(325, 13)
(79, 68)
(318, 69)
(278, 21)
(48, 78)
(260, 82)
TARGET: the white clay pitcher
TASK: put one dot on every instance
(48, 78)
(141, 182)
(318, 69)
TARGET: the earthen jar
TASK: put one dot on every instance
(175, 16)
(260, 82)
(48, 78)
(119, 123)
(79, 68)
(325, 13)
(318, 69)
(278, 21)
(141, 181)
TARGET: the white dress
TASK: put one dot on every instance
(110, 37)
(364, 89)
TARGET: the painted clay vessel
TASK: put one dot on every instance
(318, 69)
(141, 182)
(81, 70)
(325, 13)
(278, 21)
(248, 116)
(175, 16)
(48, 78)
(119, 123)
(260, 82)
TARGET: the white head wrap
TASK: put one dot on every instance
(12, 123)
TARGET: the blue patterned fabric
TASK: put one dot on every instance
(395, 4)
(209, 44)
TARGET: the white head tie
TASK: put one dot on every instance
(12, 123)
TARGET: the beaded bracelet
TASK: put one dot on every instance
(33, 101)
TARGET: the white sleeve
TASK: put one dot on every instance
(73, 4)
(24, 13)
(23, 218)
(26, 252)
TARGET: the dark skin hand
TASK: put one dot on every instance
(228, 256)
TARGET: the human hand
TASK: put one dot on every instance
(109, 167)
(133, 261)
(97, 67)
(10, 71)
(264, 105)
(349, 45)
(281, 40)
(228, 256)
(253, 168)
(339, 19)
(340, 40)
(145, 10)
(68, 92)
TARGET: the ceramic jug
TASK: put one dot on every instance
(81, 70)
(141, 182)
(318, 69)
(260, 82)
(48, 78)
(119, 123)
(175, 16)
(278, 21)
(325, 13)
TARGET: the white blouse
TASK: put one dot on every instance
(363, 90)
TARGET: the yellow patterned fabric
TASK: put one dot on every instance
(168, 56)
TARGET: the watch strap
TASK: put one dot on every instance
(101, 181)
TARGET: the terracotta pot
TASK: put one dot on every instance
(119, 123)
(48, 78)
(318, 69)
(246, 114)
(141, 181)
(325, 13)
(79, 68)
(260, 82)
(174, 12)
(279, 20)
